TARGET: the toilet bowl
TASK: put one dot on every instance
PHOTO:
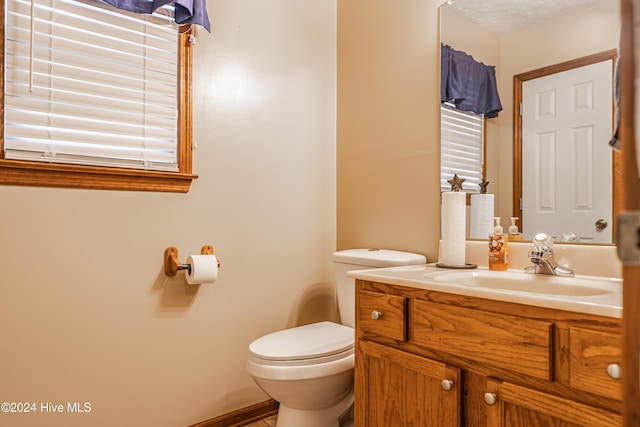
(309, 369)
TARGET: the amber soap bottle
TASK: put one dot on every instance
(498, 248)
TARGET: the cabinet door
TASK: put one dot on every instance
(477, 413)
(398, 389)
(518, 406)
(593, 355)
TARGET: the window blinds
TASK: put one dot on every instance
(461, 148)
(89, 84)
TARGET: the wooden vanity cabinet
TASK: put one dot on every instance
(427, 358)
(400, 388)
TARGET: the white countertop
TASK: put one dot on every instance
(425, 276)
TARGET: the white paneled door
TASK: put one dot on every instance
(566, 158)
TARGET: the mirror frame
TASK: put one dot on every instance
(616, 181)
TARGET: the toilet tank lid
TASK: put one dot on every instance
(377, 257)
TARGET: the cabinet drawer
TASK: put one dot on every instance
(383, 314)
(592, 356)
(522, 345)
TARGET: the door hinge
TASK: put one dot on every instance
(521, 203)
(521, 108)
(628, 237)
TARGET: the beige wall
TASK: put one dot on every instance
(387, 130)
(86, 311)
(465, 35)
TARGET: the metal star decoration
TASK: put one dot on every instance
(456, 183)
(483, 187)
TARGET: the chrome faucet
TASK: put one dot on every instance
(543, 259)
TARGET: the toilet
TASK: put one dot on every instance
(309, 369)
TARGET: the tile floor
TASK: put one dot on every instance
(265, 422)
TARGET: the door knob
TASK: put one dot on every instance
(601, 224)
(375, 315)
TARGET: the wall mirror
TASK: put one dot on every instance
(524, 40)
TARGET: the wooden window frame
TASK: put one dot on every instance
(19, 172)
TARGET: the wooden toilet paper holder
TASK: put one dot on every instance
(171, 263)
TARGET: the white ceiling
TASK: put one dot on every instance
(505, 16)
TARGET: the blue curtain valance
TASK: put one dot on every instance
(469, 84)
(186, 11)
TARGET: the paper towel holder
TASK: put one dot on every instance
(172, 265)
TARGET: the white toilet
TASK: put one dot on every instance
(309, 369)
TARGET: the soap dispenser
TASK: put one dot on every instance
(498, 248)
(514, 234)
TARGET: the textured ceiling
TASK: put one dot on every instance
(505, 16)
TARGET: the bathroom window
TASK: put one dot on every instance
(95, 97)
(462, 148)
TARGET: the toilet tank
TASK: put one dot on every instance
(363, 259)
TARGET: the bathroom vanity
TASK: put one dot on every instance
(429, 357)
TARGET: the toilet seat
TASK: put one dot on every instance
(315, 351)
(309, 344)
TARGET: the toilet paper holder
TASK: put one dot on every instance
(172, 265)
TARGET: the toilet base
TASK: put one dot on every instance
(338, 415)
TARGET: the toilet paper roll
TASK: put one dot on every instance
(204, 269)
(454, 225)
(481, 216)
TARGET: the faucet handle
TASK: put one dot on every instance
(543, 243)
(535, 254)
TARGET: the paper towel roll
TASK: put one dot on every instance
(204, 269)
(481, 216)
(454, 225)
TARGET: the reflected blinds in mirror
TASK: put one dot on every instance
(461, 147)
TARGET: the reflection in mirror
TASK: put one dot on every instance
(566, 110)
(518, 42)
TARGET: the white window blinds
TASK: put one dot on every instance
(461, 148)
(89, 84)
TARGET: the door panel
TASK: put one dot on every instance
(566, 159)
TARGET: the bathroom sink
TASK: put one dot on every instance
(524, 282)
(581, 294)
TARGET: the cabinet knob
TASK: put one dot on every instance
(614, 371)
(375, 315)
(447, 385)
(490, 399)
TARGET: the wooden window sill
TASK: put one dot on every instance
(14, 172)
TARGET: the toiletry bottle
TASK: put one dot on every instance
(514, 234)
(498, 249)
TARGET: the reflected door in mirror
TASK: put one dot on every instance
(566, 158)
